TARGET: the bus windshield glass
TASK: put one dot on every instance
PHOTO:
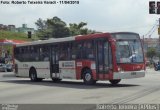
(129, 50)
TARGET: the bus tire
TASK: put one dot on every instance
(88, 77)
(156, 69)
(56, 79)
(114, 81)
(40, 79)
(33, 75)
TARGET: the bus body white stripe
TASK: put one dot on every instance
(67, 69)
(128, 74)
(42, 68)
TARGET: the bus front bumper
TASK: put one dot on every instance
(128, 74)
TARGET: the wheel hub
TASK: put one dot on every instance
(88, 76)
(32, 76)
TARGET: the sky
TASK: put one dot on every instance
(100, 15)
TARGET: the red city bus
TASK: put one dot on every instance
(104, 56)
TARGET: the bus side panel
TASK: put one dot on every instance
(67, 69)
(107, 76)
(22, 69)
(42, 69)
(78, 69)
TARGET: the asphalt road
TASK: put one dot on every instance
(15, 90)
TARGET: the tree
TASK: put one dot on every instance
(78, 29)
(41, 24)
(57, 27)
(151, 53)
(42, 28)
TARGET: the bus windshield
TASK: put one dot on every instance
(129, 51)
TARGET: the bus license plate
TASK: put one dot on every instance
(133, 73)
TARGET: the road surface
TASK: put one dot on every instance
(15, 90)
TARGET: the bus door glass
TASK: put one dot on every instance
(55, 60)
(103, 56)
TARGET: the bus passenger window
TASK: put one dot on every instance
(44, 54)
(34, 53)
(73, 51)
(106, 56)
(88, 50)
(100, 53)
(65, 51)
(79, 50)
(62, 56)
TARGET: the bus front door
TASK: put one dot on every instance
(54, 62)
(102, 62)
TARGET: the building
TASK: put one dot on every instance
(12, 28)
(25, 29)
(3, 27)
(151, 43)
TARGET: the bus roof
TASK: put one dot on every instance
(65, 39)
(72, 38)
(52, 40)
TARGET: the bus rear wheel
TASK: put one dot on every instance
(56, 79)
(114, 81)
(33, 76)
(88, 77)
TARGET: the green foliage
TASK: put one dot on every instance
(41, 24)
(13, 35)
(56, 28)
(42, 28)
(77, 29)
(151, 52)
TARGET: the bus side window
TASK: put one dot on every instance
(73, 51)
(20, 54)
(44, 53)
(23, 54)
(88, 50)
(17, 53)
(79, 50)
(26, 54)
(34, 53)
(100, 52)
(106, 56)
(110, 56)
(62, 55)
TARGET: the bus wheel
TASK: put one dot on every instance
(88, 78)
(156, 69)
(33, 75)
(56, 79)
(40, 79)
(114, 81)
